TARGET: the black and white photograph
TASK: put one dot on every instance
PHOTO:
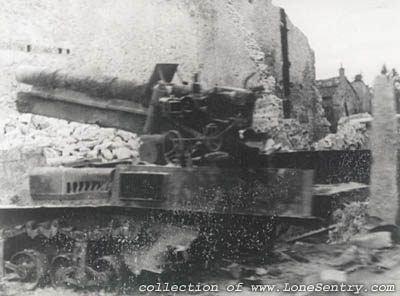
(199, 147)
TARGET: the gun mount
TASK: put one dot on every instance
(178, 123)
(107, 220)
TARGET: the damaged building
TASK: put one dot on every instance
(222, 39)
(158, 140)
(227, 42)
(341, 97)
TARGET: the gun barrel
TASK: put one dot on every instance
(102, 100)
(96, 86)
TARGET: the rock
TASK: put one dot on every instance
(71, 140)
(283, 140)
(122, 153)
(352, 133)
(40, 122)
(93, 154)
(89, 143)
(333, 276)
(126, 136)
(51, 152)
(267, 111)
(260, 271)
(25, 118)
(104, 145)
(375, 240)
(107, 133)
(107, 154)
(67, 151)
(117, 142)
(84, 150)
(24, 129)
(133, 143)
(269, 145)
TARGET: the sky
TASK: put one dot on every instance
(360, 34)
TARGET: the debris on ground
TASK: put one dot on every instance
(351, 257)
(333, 275)
(375, 240)
(260, 271)
(352, 134)
(393, 229)
(72, 141)
(388, 263)
(349, 221)
(268, 111)
(311, 234)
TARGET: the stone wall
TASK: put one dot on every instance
(363, 93)
(227, 41)
(345, 97)
(126, 38)
(307, 106)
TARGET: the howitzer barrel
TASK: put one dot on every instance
(102, 100)
(96, 86)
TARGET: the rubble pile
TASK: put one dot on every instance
(306, 103)
(320, 124)
(349, 221)
(267, 113)
(284, 134)
(288, 135)
(352, 134)
(68, 141)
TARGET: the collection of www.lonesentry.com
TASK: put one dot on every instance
(355, 289)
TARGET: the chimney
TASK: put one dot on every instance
(341, 71)
(358, 77)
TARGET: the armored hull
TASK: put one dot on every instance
(90, 227)
(201, 196)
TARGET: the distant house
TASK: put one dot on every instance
(340, 97)
(364, 93)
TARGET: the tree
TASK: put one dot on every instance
(384, 199)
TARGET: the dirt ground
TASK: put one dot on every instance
(315, 258)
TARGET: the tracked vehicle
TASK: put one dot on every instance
(198, 194)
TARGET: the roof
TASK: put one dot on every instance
(327, 87)
(334, 81)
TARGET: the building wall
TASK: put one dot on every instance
(226, 41)
(345, 97)
(126, 38)
(364, 94)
